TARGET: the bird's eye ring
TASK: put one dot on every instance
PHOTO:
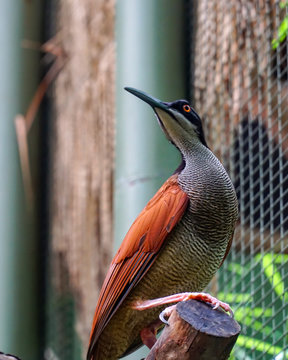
(186, 108)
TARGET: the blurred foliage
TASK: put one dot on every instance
(283, 28)
(261, 301)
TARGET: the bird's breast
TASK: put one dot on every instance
(213, 207)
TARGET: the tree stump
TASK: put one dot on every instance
(196, 331)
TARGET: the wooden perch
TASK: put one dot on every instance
(197, 332)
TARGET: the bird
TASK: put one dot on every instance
(175, 245)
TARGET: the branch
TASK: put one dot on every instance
(24, 123)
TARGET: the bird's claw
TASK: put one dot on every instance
(166, 313)
(217, 304)
(162, 318)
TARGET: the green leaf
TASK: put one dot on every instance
(283, 4)
(283, 28)
(275, 43)
(282, 33)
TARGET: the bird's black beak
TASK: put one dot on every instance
(155, 103)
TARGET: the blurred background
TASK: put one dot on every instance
(74, 177)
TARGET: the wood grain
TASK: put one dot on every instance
(196, 331)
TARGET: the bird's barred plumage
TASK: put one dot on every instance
(190, 252)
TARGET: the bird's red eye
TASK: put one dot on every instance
(186, 108)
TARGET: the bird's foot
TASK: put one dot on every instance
(148, 334)
(147, 304)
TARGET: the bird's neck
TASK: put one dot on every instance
(201, 168)
(191, 152)
(208, 186)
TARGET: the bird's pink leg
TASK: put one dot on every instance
(147, 304)
(148, 334)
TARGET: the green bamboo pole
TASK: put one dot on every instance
(151, 57)
(18, 256)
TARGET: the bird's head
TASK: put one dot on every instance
(179, 121)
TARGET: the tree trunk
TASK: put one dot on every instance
(82, 146)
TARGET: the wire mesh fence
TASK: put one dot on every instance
(240, 86)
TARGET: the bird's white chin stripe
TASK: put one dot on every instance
(185, 124)
(175, 126)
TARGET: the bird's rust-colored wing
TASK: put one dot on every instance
(138, 251)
